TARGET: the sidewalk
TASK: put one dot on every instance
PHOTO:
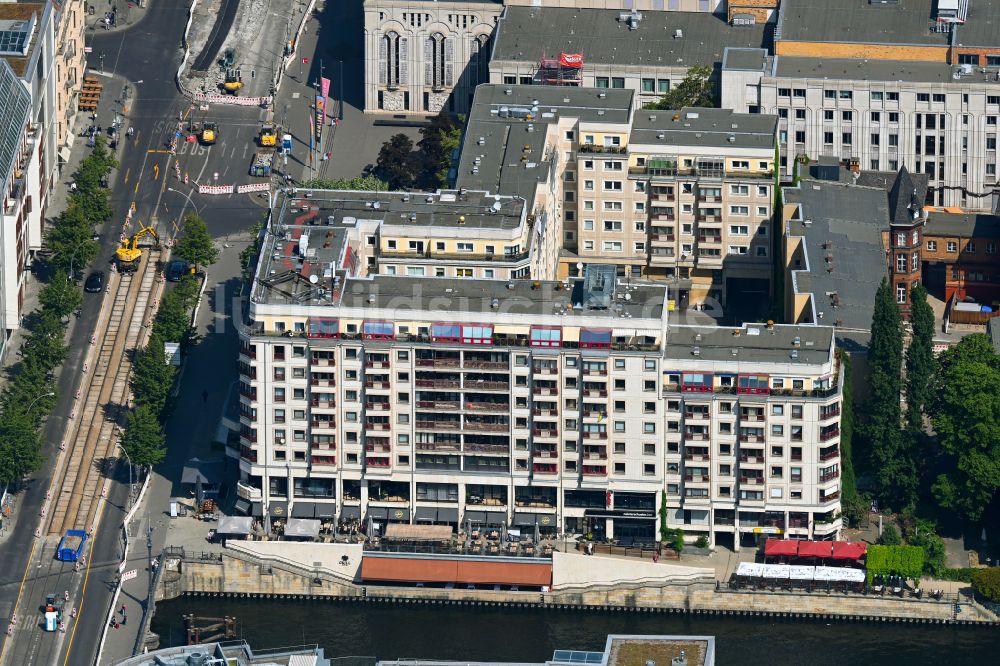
(127, 13)
(190, 432)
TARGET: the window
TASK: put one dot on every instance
(612, 165)
(739, 229)
(739, 210)
(612, 246)
(846, 94)
(618, 82)
(800, 114)
(876, 96)
(952, 246)
(845, 138)
(648, 85)
(784, 92)
(612, 225)
(938, 97)
(828, 115)
(901, 292)
(739, 190)
(991, 248)
(892, 96)
(613, 185)
(923, 97)
(662, 85)
(931, 246)
(602, 82)
(800, 136)
(828, 138)
(799, 92)
(829, 94)
(970, 247)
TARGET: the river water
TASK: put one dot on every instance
(530, 635)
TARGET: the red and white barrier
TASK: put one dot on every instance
(253, 187)
(232, 100)
(215, 189)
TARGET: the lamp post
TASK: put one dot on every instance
(188, 197)
(48, 394)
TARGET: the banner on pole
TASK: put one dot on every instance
(320, 115)
(324, 87)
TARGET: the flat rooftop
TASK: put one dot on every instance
(504, 151)
(488, 300)
(752, 60)
(885, 71)
(18, 34)
(720, 128)
(525, 34)
(231, 652)
(907, 22)
(941, 222)
(754, 343)
(842, 241)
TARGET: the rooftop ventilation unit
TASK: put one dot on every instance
(696, 351)
(678, 34)
(631, 19)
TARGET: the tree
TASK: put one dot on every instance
(143, 439)
(986, 583)
(60, 296)
(396, 164)
(919, 359)
(366, 183)
(70, 241)
(196, 245)
(152, 377)
(696, 89)
(965, 411)
(173, 321)
(46, 344)
(889, 450)
(20, 446)
(439, 140)
(890, 536)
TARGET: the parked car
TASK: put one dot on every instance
(94, 283)
(176, 270)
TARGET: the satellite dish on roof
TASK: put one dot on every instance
(496, 206)
(313, 279)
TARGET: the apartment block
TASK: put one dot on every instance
(70, 65)
(28, 155)
(563, 406)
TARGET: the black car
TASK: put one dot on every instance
(94, 283)
(177, 269)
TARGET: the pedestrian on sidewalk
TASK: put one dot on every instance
(123, 609)
(124, 620)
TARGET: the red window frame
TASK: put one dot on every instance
(697, 388)
(323, 334)
(753, 390)
(545, 343)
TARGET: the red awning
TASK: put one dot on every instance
(574, 60)
(781, 548)
(443, 570)
(815, 548)
(849, 550)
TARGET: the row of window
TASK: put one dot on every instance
(952, 246)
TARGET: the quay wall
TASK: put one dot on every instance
(241, 574)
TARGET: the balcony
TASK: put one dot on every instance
(662, 238)
(595, 455)
(545, 468)
(487, 406)
(440, 447)
(752, 438)
(752, 459)
(483, 385)
(829, 476)
(544, 390)
(323, 404)
(752, 416)
(378, 448)
(596, 148)
(378, 462)
(830, 497)
(697, 478)
(486, 365)
(324, 362)
(495, 449)
(752, 480)
(249, 351)
(438, 383)
(381, 427)
(696, 436)
(376, 364)
(698, 416)
(665, 198)
(546, 433)
(323, 460)
(374, 384)
(595, 470)
(450, 405)
(697, 457)
(827, 435)
(486, 427)
(544, 453)
(826, 415)
(544, 371)
(326, 423)
(595, 393)
(438, 362)
(829, 455)
(545, 412)
(437, 425)
(248, 454)
(317, 381)
(377, 406)
(708, 218)
(595, 435)
(595, 372)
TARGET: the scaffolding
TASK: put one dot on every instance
(565, 70)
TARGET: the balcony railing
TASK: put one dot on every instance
(438, 383)
(487, 406)
(438, 425)
(829, 476)
(829, 434)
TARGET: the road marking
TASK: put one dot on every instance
(86, 579)
(127, 172)
(20, 591)
(136, 187)
(156, 171)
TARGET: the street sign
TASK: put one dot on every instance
(305, 61)
(129, 575)
(88, 49)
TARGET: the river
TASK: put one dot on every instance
(470, 633)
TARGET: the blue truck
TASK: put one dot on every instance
(71, 545)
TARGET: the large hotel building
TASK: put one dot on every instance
(443, 358)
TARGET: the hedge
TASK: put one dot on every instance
(986, 583)
(906, 561)
(963, 575)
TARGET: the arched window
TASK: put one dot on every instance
(392, 59)
(438, 56)
(480, 68)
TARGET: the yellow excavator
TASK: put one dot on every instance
(268, 136)
(129, 254)
(233, 82)
(209, 133)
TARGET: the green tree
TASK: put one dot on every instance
(965, 411)
(152, 377)
(46, 344)
(697, 89)
(396, 163)
(20, 448)
(143, 439)
(919, 359)
(69, 239)
(890, 536)
(173, 321)
(248, 255)
(439, 140)
(196, 245)
(60, 296)
(923, 534)
(895, 468)
(367, 183)
(986, 583)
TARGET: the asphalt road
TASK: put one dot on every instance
(146, 56)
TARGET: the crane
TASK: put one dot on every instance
(128, 253)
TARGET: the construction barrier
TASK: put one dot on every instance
(215, 189)
(232, 99)
(253, 187)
